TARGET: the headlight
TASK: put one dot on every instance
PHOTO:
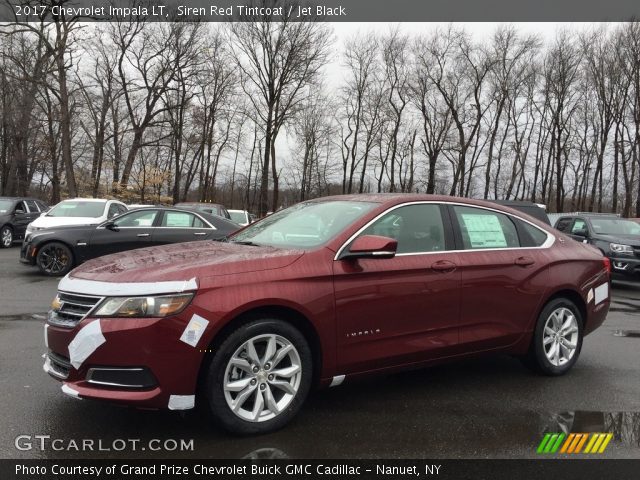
(623, 249)
(31, 229)
(159, 306)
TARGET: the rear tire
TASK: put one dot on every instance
(259, 377)
(557, 339)
(6, 237)
(54, 259)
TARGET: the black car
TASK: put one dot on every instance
(534, 210)
(617, 238)
(15, 214)
(57, 250)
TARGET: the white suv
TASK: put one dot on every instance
(77, 211)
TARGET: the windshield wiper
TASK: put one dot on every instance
(245, 242)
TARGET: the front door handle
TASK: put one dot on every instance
(443, 266)
(524, 261)
(143, 234)
(200, 233)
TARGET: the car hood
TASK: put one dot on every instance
(48, 222)
(632, 240)
(184, 261)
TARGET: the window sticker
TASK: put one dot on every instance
(194, 330)
(484, 231)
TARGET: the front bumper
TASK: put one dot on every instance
(625, 266)
(136, 361)
(28, 253)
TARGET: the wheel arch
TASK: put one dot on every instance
(55, 240)
(572, 295)
(285, 313)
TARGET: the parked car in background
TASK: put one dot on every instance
(321, 293)
(212, 208)
(57, 250)
(617, 238)
(78, 211)
(15, 214)
(536, 210)
(241, 217)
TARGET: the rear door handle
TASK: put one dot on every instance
(143, 234)
(524, 261)
(443, 266)
(200, 233)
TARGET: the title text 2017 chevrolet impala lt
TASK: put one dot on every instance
(318, 294)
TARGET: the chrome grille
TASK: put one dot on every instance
(73, 308)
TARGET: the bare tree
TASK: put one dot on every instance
(278, 58)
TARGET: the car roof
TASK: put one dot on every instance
(90, 200)
(17, 199)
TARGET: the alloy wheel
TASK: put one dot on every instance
(560, 336)
(262, 378)
(7, 237)
(53, 259)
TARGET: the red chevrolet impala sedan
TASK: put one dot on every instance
(319, 294)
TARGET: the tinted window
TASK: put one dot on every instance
(142, 218)
(33, 208)
(42, 206)
(21, 206)
(535, 236)
(564, 224)
(181, 219)
(485, 229)
(417, 228)
(113, 210)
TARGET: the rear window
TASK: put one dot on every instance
(483, 229)
(76, 208)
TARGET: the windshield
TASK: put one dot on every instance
(238, 217)
(6, 205)
(77, 208)
(614, 226)
(305, 225)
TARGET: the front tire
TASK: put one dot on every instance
(557, 340)
(6, 236)
(259, 377)
(54, 259)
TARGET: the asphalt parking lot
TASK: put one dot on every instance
(486, 408)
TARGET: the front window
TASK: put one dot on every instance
(305, 225)
(417, 228)
(77, 208)
(614, 226)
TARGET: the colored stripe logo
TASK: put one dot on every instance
(574, 443)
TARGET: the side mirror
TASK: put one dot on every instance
(19, 211)
(111, 226)
(371, 246)
(581, 233)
